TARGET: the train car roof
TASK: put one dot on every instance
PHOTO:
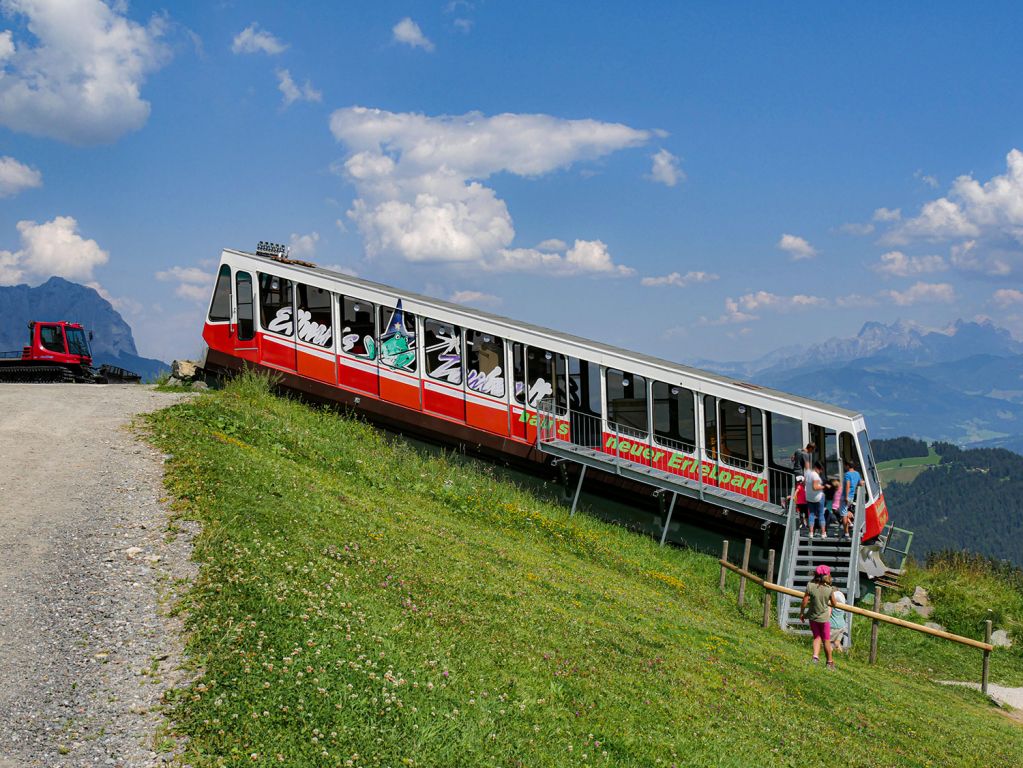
(580, 340)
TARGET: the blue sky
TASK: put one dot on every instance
(799, 168)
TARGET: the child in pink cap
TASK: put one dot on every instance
(819, 598)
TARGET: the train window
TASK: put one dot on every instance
(398, 338)
(674, 415)
(443, 350)
(519, 366)
(710, 425)
(831, 465)
(220, 307)
(847, 448)
(542, 369)
(275, 299)
(785, 436)
(314, 321)
(627, 401)
(742, 435)
(358, 329)
(484, 363)
(584, 387)
(243, 289)
(51, 337)
(870, 475)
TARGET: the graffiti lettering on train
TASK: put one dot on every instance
(311, 331)
(351, 344)
(529, 418)
(488, 383)
(281, 322)
(538, 392)
(448, 354)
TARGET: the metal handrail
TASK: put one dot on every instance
(787, 567)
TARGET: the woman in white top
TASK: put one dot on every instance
(815, 499)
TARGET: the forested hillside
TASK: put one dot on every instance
(972, 500)
(898, 448)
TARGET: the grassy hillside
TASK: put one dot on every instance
(362, 604)
(906, 470)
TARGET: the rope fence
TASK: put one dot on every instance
(875, 616)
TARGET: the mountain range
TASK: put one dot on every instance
(962, 383)
(60, 299)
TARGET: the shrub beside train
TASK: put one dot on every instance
(470, 377)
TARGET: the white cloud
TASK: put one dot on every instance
(475, 297)
(552, 244)
(51, 248)
(420, 195)
(303, 246)
(796, 247)
(898, 264)
(982, 221)
(81, 80)
(679, 280)
(922, 293)
(292, 92)
(252, 39)
(124, 305)
(408, 32)
(745, 308)
(15, 176)
(666, 169)
(1007, 297)
(854, 228)
(192, 283)
(887, 214)
(930, 181)
(463, 25)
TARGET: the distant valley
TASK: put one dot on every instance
(962, 384)
(59, 299)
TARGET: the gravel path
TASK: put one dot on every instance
(86, 651)
(1000, 694)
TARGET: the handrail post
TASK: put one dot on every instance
(667, 522)
(987, 657)
(578, 489)
(742, 576)
(874, 624)
(724, 557)
(767, 592)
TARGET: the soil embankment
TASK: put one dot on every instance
(85, 562)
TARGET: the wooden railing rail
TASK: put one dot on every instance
(874, 616)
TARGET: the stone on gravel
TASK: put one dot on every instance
(902, 607)
(199, 385)
(1000, 639)
(133, 552)
(924, 611)
(920, 596)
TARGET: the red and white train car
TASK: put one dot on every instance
(462, 375)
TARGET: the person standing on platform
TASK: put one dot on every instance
(815, 499)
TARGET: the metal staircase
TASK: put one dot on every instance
(801, 555)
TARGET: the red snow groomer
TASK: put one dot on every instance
(58, 352)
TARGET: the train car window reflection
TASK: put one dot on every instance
(584, 387)
(484, 363)
(710, 426)
(870, 475)
(847, 447)
(785, 436)
(742, 435)
(519, 370)
(542, 377)
(246, 322)
(275, 304)
(397, 338)
(220, 307)
(358, 329)
(831, 465)
(674, 414)
(443, 349)
(314, 322)
(627, 401)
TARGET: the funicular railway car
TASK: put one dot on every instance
(521, 391)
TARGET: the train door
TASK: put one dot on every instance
(826, 441)
(674, 428)
(784, 438)
(314, 333)
(519, 416)
(357, 355)
(399, 358)
(486, 395)
(277, 322)
(217, 330)
(628, 416)
(245, 329)
(585, 406)
(443, 392)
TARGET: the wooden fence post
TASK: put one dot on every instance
(987, 657)
(742, 578)
(767, 592)
(724, 556)
(874, 624)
